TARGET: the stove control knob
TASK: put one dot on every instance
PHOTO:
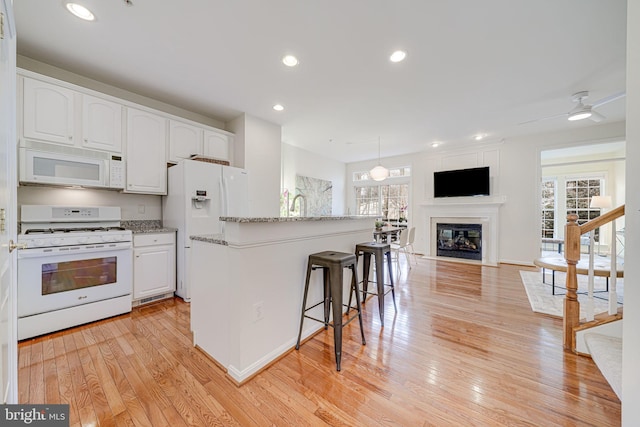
(107, 238)
(82, 239)
(53, 242)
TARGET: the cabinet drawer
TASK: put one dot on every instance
(150, 239)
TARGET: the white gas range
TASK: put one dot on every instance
(75, 267)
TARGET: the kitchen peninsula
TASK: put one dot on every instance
(247, 285)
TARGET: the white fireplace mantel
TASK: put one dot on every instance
(466, 201)
(465, 210)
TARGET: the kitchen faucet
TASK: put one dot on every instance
(304, 206)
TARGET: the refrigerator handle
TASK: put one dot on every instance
(224, 192)
(223, 201)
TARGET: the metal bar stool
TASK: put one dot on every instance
(379, 251)
(332, 264)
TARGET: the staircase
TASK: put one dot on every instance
(598, 336)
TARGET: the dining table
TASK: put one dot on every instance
(386, 234)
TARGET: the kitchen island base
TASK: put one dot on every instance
(247, 287)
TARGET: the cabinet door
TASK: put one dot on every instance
(146, 153)
(154, 271)
(216, 145)
(184, 140)
(48, 112)
(101, 124)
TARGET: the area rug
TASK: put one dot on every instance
(542, 301)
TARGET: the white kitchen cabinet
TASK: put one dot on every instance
(185, 140)
(101, 124)
(63, 116)
(154, 264)
(146, 153)
(48, 112)
(217, 145)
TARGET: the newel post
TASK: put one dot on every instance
(571, 304)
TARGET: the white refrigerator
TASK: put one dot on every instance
(198, 194)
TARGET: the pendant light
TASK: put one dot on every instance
(379, 173)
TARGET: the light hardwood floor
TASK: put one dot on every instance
(463, 348)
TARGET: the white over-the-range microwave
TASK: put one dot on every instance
(53, 164)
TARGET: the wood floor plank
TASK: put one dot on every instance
(65, 387)
(463, 348)
(81, 389)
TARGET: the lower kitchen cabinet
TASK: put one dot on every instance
(154, 265)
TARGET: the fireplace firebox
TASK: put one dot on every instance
(460, 241)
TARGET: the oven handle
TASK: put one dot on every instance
(68, 250)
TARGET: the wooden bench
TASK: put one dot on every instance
(601, 268)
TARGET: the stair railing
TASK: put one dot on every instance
(573, 231)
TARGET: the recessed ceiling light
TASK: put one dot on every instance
(398, 56)
(479, 137)
(278, 107)
(80, 11)
(290, 60)
(435, 144)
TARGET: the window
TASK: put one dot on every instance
(548, 208)
(389, 199)
(395, 199)
(578, 196)
(562, 196)
(393, 173)
(367, 200)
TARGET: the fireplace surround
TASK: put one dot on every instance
(481, 210)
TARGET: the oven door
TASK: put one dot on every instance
(54, 278)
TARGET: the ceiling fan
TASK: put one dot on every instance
(581, 110)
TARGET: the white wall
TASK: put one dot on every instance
(258, 149)
(296, 161)
(631, 337)
(133, 206)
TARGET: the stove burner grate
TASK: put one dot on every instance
(71, 230)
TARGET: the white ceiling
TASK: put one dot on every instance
(472, 66)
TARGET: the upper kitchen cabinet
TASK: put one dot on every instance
(61, 115)
(217, 145)
(146, 153)
(48, 112)
(185, 140)
(101, 124)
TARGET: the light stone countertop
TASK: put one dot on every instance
(291, 218)
(146, 226)
(264, 235)
(216, 239)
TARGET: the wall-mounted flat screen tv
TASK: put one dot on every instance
(461, 182)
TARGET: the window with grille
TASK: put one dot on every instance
(367, 200)
(395, 198)
(393, 173)
(389, 199)
(548, 208)
(578, 196)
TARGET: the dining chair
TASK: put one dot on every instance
(401, 246)
(411, 239)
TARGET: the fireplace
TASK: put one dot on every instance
(473, 210)
(459, 241)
